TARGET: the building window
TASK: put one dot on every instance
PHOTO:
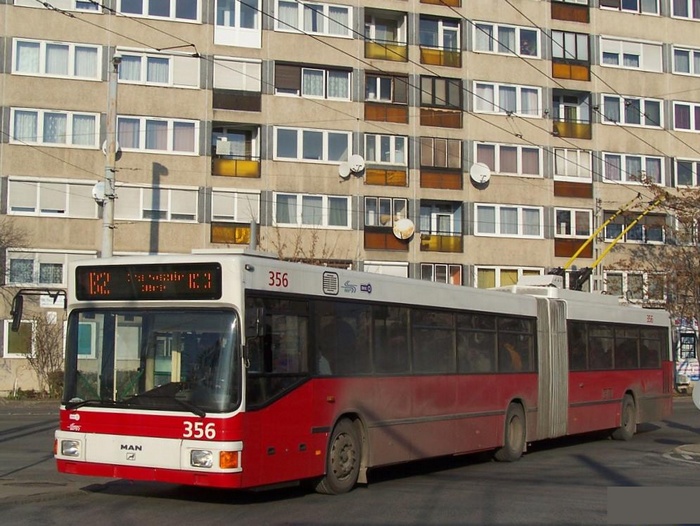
(648, 229)
(686, 116)
(51, 198)
(567, 46)
(436, 152)
(384, 211)
(235, 143)
(314, 18)
(317, 83)
(159, 69)
(237, 74)
(386, 88)
(156, 204)
(185, 10)
(648, 7)
(441, 92)
(441, 273)
(440, 33)
(686, 61)
(158, 135)
(508, 221)
(572, 164)
(490, 277)
(507, 99)
(311, 210)
(633, 168)
(632, 111)
(56, 59)
(631, 55)
(54, 128)
(572, 223)
(386, 27)
(440, 218)
(636, 287)
(35, 268)
(386, 149)
(687, 172)
(302, 144)
(234, 206)
(18, 344)
(506, 40)
(507, 159)
(685, 9)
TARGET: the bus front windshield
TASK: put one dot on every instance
(162, 359)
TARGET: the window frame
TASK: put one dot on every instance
(7, 332)
(40, 257)
(140, 212)
(175, 64)
(428, 89)
(448, 272)
(692, 53)
(20, 205)
(398, 209)
(578, 178)
(520, 210)
(607, 43)
(240, 199)
(625, 176)
(282, 26)
(300, 145)
(604, 5)
(393, 140)
(496, 88)
(573, 223)
(142, 134)
(498, 160)
(299, 211)
(42, 59)
(441, 32)
(172, 12)
(693, 116)
(495, 43)
(623, 102)
(694, 172)
(692, 15)
(377, 78)
(40, 130)
(498, 271)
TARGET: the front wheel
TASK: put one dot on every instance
(342, 461)
(514, 440)
(628, 420)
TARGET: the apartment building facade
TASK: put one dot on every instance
(463, 141)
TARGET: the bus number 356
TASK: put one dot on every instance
(278, 279)
(199, 430)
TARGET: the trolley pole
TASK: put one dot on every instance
(111, 161)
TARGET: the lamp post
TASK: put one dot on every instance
(111, 160)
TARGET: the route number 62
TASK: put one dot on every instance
(199, 430)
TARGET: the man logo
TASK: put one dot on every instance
(131, 447)
(131, 456)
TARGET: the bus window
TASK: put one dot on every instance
(650, 349)
(390, 331)
(600, 345)
(342, 341)
(577, 346)
(433, 338)
(515, 344)
(626, 348)
(476, 351)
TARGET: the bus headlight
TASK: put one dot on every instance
(70, 448)
(200, 458)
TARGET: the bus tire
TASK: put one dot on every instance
(342, 460)
(628, 420)
(514, 436)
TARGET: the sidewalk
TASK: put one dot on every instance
(9, 406)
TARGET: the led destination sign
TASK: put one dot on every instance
(177, 281)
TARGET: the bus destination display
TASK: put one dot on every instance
(177, 281)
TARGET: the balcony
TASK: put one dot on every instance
(441, 179)
(442, 118)
(230, 233)
(565, 248)
(236, 100)
(386, 177)
(441, 242)
(381, 238)
(379, 112)
(394, 51)
(570, 12)
(572, 130)
(571, 70)
(235, 167)
(441, 57)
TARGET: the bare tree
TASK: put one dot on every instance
(11, 236)
(319, 247)
(678, 259)
(46, 358)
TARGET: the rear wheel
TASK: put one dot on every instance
(343, 460)
(628, 420)
(514, 440)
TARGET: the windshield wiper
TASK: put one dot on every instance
(75, 404)
(168, 392)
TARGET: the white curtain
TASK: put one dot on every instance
(183, 137)
(338, 211)
(531, 161)
(313, 18)
(484, 37)
(128, 132)
(531, 222)
(27, 60)
(370, 211)
(613, 166)
(286, 210)
(485, 97)
(633, 165)
(654, 170)
(338, 85)
(56, 59)
(130, 68)
(338, 144)
(611, 109)
(486, 219)
(85, 62)
(311, 210)
(506, 40)
(371, 148)
(288, 15)
(507, 99)
(312, 81)
(158, 70)
(509, 220)
(312, 145)
(84, 130)
(400, 150)
(529, 102)
(55, 128)
(25, 126)
(156, 135)
(338, 23)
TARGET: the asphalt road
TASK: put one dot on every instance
(564, 481)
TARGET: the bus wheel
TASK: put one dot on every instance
(628, 420)
(343, 461)
(514, 442)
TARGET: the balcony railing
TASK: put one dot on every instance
(572, 130)
(439, 117)
(441, 57)
(230, 233)
(235, 167)
(571, 12)
(441, 243)
(376, 111)
(382, 238)
(571, 70)
(386, 51)
(446, 179)
(386, 177)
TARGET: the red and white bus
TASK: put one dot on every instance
(240, 370)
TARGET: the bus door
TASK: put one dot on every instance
(553, 362)
(687, 368)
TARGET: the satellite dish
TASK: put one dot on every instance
(344, 170)
(98, 192)
(357, 163)
(480, 173)
(404, 228)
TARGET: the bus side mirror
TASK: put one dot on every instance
(16, 312)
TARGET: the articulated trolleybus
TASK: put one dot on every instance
(240, 370)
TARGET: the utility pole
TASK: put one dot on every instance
(111, 160)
